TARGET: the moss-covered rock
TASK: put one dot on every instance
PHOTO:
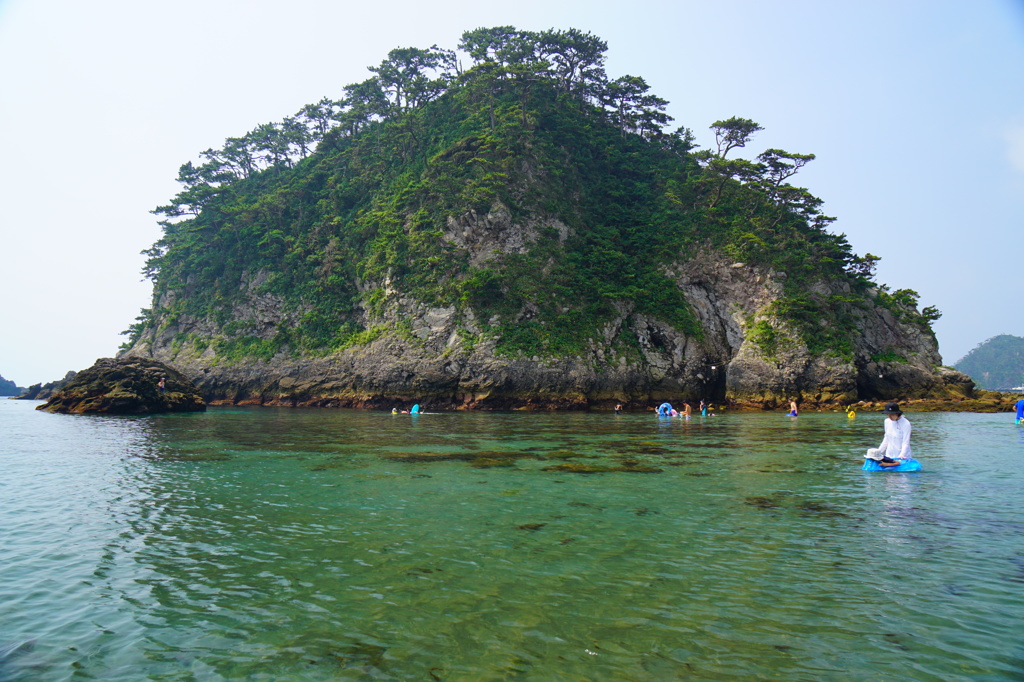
(130, 385)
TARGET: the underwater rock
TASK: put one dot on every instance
(126, 386)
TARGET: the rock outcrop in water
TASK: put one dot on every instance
(126, 386)
(43, 391)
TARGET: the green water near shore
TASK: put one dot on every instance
(285, 544)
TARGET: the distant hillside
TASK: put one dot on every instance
(7, 387)
(43, 391)
(996, 364)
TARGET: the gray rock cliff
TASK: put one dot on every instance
(419, 354)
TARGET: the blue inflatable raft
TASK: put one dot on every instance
(907, 465)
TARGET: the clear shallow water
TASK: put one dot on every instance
(276, 544)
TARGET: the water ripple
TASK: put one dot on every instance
(279, 544)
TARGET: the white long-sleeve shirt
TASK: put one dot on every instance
(896, 443)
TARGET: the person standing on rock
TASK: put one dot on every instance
(162, 384)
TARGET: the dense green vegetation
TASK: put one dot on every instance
(346, 206)
(997, 363)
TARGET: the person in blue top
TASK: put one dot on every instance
(1020, 410)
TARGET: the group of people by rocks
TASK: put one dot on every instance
(666, 410)
(893, 451)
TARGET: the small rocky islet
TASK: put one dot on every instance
(132, 385)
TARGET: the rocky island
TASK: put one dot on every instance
(524, 232)
(131, 385)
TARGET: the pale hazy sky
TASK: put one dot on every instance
(915, 110)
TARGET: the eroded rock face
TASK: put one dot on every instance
(128, 385)
(434, 364)
(731, 298)
(484, 236)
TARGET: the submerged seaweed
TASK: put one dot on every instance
(531, 526)
(644, 511)
(762, 502)
(650, 450)
(580, 468)
(562, 454)
(456, 456)
(818, 508)
(490, 462)
(778, 499)
(360, 655)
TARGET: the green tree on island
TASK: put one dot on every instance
(348, 201)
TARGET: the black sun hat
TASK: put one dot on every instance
(892, 408)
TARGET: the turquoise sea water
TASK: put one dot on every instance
(277, 544)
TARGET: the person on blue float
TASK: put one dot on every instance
(895, 447)
(1019, 406)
